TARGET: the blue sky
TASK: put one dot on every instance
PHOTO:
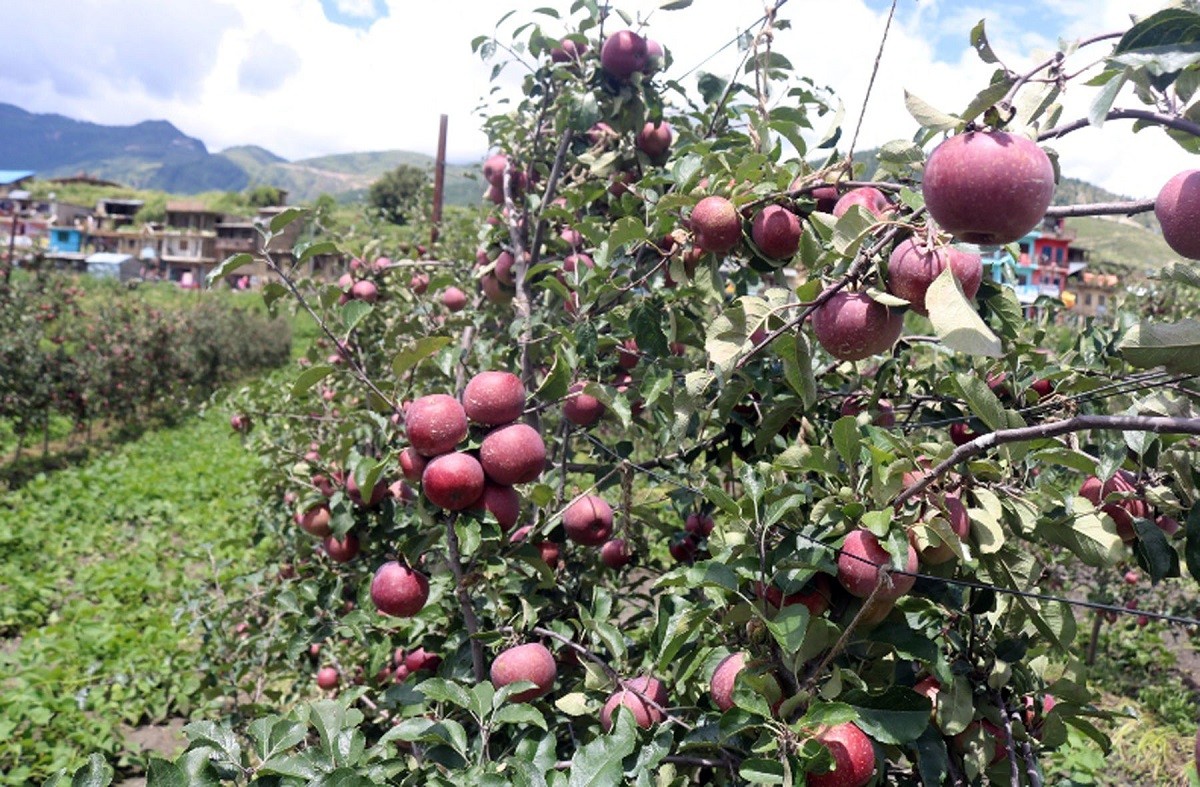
(356, 14)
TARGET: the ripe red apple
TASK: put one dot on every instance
(454, 299)
(494, 398)
(627, 354)
(717, 224)
(616, 553)
(572, 237)
(851, 326)
(582, 409)
(885, 411)
(912, 267)
(683, 547)
(494, 291)
(493, 169)
(960, 433)
(720, 687)
(960, 523)
(239, 422)
(453, 481)
(419, 283)
(816, 596)
(567, 50)
(867, 197)
(412, 464)
(655, 139)
(398, 590)
(316, 521)
(634, 697)
(858, 566)
(531, 662)
(1168, 524)
(421, 659)
(1042, 387)
(502, 502)
(513, 454)
(853, 757)
(826, 197)
(504, 268)
(624, 53)
(929, 687)
(1121, 511)
(588, 521)
(435, 424)
(699, 524)
(341, 550)
(365, 291)
(327, 678)
(988, 187)
(1178, 210)
(378, 493)
(776, 231)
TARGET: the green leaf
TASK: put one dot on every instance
(573, 704)
(797, 366)
(626, 230)
(310, 250)
(1192, 550)
(955, 320)
(412, 355)
(898, 715)
(987, 98)
(982, 401)
(162, 773)
(95, 773)
(1154, 551)
(440, 690)
(310, 377)
(847, 439)
(645, 320)
(215, 735)
(675, 5)
(929, 117)
(520, 714)
(286, 217)
(1175, 346)
(789, 627)
(228, 266)
(353, 312)
(933, 761)
(759, 770)
(1098, 111)
(982, 47)
(599, 762)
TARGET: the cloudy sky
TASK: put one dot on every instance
(313, 77)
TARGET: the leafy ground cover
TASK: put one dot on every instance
(98, 562)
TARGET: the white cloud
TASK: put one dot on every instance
(359, 9)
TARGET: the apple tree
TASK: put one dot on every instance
(720, 461)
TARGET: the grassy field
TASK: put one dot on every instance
(1124, 243)
(100, 561)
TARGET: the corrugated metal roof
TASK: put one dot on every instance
(108, 256)
(10, 176)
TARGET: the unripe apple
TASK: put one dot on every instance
(494, 398)
(398, 590)
(453, 481)
(493, 169)
(867, 197)
(853, 757)
(634, 697)
(580, 408)
(365, 291)
(327, 678)
(502, 502)
(341, 550)
(776, 231)
(513, 454)
(720, 687)
(859, 564)
(912, 267)
(1178, 210)
(588, 521)
(655, 139)
(435, 424)
(716, 224)
(624, 53)
(531, 662)
(851, 326)
(315, 521)
(454, 299)
(699, 524)
(988, 187)
(412, 464)
(616, 553)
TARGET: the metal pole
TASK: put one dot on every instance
(439, 181)
(12, 243)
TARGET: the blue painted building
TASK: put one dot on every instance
(65, 240)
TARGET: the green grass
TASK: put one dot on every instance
(1123, 243)
(97, 563)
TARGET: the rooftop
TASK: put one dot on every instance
(11, 176)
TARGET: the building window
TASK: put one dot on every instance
(1087, 299)
(1101, 300)
(182, 245)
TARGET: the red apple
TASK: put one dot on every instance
(316, 521)
(634, 697)
(588, 521)
(502, 502)
(327, 678)
(929, 687)
(412, 464)
(624, 53)
(454, 299)
(567, 50)
(859, 561)
(1122, 511)
(453, 481)
(988, 187)
(504, 268)
(341, 550)
(582, 409)
(493, 169)
(513, 454)
(683, 547)
(1169, 525)
(699, 524)
(419, 283)
(776, 231)
(1178, 210)
(912, 267)
(530, 662)
(654, 139)
(239, 422)
(851, 326)
(723, 679)
(365, 291)
(616, 553)
(717, 225)
(853, 757)
(378, 493)
(398, 590)
(960, 523)
(627, 354)
(867, 197)
(435, 424)
(960, 433)
(494, 398)
(1042, 387)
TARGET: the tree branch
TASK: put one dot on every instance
(1102, 209)
(1082, 423)
(1177, 123)
(464, 601)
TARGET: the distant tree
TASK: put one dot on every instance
(265, 196)
(393, 194)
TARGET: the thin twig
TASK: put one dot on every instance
(1102, 209)
(1170, 121)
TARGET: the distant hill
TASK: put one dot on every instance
(156, 155)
